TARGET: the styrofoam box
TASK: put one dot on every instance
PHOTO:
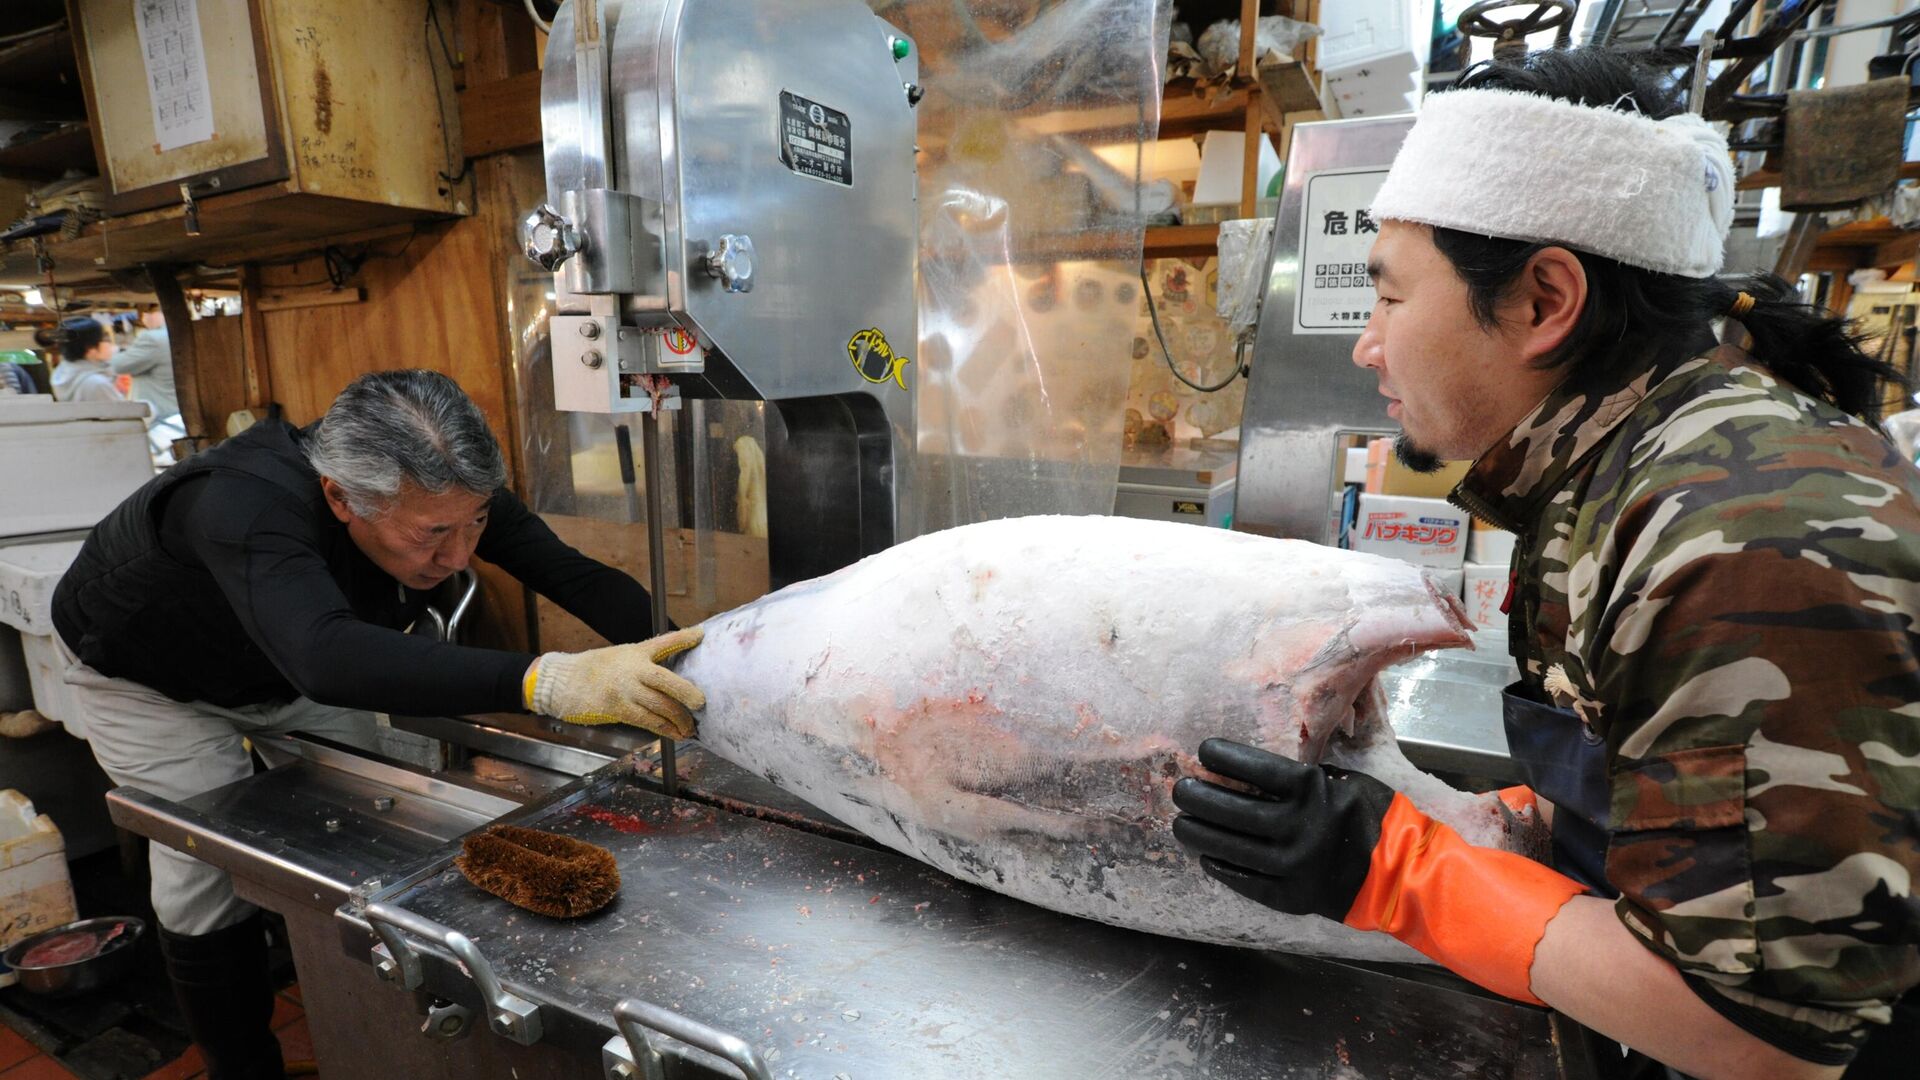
(1427, 532)
(47, 675)
(1483, 588)
(1450, 581)
(68, 462)
(1396, 70)
(1388, 84)
(1356, 31)
(1490, 546)
(28, 574)
(35, 891)
(1384, 106)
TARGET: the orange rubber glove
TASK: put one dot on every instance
(1319, 840)
(1519, 798)
(1479, 912)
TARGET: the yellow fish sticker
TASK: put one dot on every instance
(874, 359)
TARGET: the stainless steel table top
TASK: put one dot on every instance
(838, 960)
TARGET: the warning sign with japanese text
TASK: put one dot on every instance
(1335, 296)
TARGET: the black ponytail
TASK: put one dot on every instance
(1634, 315)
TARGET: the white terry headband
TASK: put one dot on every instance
(1656, 194)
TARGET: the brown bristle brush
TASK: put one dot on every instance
(544, 872)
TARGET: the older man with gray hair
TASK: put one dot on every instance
(264, 585)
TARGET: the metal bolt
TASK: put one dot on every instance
(383, 802)
(386, 969)
(590, 330)
(333, 824)
(622, 1071)
(592, 358)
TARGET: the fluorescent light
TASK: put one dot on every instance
(33, 298)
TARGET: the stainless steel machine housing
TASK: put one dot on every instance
(1305, 394)
(734, 212)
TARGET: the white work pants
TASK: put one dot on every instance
(177, 750)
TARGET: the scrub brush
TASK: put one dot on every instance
(544, 872)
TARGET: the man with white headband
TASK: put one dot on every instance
(1716, 594)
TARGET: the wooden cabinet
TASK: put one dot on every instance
(316, 118)
(347, 98)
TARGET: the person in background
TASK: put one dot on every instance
(1904, 429)
(83, 374)
(14, 379)
(149, 360)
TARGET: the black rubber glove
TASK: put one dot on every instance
(1304, 845)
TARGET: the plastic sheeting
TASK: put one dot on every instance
(1246, 249)
(1030, 240)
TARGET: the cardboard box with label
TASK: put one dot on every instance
(1483, 588)
(1427, 532)
(1489, 544)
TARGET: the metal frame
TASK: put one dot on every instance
(394, 959)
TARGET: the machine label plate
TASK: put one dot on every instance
(1335, 296)
(814, 140)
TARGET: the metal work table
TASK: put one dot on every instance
(837, 960)
(1445, 710)
(315, 828)
(749, 911)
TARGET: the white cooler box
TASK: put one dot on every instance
(28, 573)
(68, 463)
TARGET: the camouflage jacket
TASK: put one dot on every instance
(1721, 577)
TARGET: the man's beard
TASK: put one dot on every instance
(1413, 457)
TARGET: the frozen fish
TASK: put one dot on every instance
(1012, 702)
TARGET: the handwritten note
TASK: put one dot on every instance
(176, 71)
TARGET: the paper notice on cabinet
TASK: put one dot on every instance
(176, 71)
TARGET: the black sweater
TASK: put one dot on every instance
(228, 580)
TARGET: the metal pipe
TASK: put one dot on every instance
(1854, 28)
(657, 562)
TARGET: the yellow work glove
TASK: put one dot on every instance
(620, 684)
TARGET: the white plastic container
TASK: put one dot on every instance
(35, 892)
(47, 675)
(68, 462)
(28, 574)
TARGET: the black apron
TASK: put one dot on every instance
(1565, 762)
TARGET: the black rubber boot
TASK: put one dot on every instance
(226, 996)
